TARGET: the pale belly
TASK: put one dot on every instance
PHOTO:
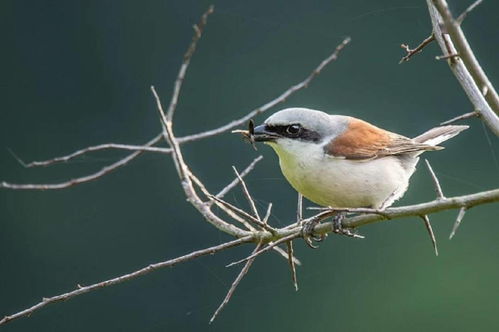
(336, 182)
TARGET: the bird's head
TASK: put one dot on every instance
(297, 130)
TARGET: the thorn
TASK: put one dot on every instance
(438, 188)
(448, 56)
(459, 218)
(430, 232)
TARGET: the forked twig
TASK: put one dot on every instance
(418, 49)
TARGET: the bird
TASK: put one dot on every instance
(340, 161)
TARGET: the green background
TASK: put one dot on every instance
(77, 73)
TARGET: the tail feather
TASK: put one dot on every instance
(438, 135)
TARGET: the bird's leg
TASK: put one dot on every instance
(337, 222)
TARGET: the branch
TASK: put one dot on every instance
(103, 171)
(283, 235)
(465, 66)
(185, 139)
(198, 31)
(143, 271)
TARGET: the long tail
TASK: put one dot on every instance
(438, 135)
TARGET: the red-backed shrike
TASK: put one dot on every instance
(340, 161)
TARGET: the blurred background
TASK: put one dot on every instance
(77, 73)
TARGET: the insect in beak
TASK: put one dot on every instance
(248, 135)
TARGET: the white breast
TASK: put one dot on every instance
(338, 182)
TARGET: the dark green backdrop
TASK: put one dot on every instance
(77, 73)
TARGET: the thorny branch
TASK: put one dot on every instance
(463, 63)
(257, 231)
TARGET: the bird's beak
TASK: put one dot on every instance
(260, 134)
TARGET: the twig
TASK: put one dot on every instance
(103, 171)
(292, 266)
(418, 49)
(198, 31)
(267, 248)
(281, 98)
(267, 214)
(299, 209)
(66, 158)
(468, 10)
(234, 285)
(235, 182)
(284, 254)
(247, 194)
(427, 224)
(438, 188)
(145, 270)
(457, 223)
(468, 72)
(465, 116)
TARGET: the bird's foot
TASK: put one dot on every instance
(338, 226)
(309, 235)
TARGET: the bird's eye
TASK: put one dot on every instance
(293, 129)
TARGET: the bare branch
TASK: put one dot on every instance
(427, 224)
(468, 72)
(448, 203)
(418, 49)
(103, 171)
(234, 285)
(194, 137)
(438, 188)
(286, 234)
(465, 116)
(143, 271)
(108, 146)
(457, 223)
(198, 31)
